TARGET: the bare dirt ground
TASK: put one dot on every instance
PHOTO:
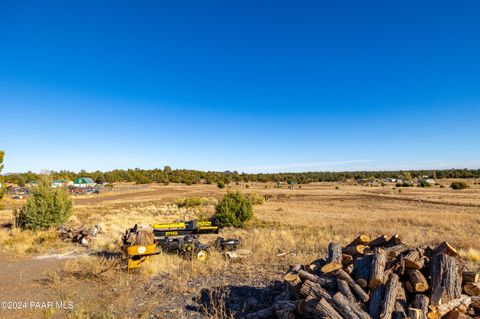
(292, 226)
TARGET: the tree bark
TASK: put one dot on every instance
(421, 302)
(446, 279)
(376, 302)
(327, 282)
(361, 294)
(326, 310)
(348, 309)
(362, 268)
(391, 290)
(445, 248)
(344, 288)
(334, 259)
(378, 268)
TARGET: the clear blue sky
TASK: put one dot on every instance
(246, 85)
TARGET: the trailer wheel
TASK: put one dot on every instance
(201, 255)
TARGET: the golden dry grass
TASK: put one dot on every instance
(292, 226)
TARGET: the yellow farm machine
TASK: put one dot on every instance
(141, 242)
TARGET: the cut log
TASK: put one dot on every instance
(376, 302)
(378, 268)
(455, 314)
(470, 277)
(362, 239)
(347, 309)
(445, 278)
(394, 251)
(326, 310)
(441, 310)
(334, 259)
(285, 309)
(361, 269)
(344, 288)
(399, 311)
(421, 302)
(347, 259)
(328, 282)
(294, 283)
(417, 282)
(414, 313)
(445, 248)
(310, 288)
(391, 290)
(413, 260)
(359, 292)
(379, 241)
(393, 241)
(348, 269)
(472, 289)
(354, 250)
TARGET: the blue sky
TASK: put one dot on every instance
(246, 85)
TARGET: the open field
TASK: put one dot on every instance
(292, 226)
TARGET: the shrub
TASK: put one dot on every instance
(234, 210)
(256, 199)
(441, 186)
(247, 186)
(424, 184)
(404, 184)
(195, 202)
(458, 185)
(45, 207)
(221, 184)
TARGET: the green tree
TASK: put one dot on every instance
(234, 210)
(45, 207)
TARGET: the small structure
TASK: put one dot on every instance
(84, 182)
(56, 183)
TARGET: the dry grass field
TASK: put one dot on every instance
(292, 226)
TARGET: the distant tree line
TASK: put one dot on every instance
(168, 175)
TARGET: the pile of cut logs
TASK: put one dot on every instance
(380, 278)
(79, 234)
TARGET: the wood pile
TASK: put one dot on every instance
(380, 278)
(79, 234)
(139, 235)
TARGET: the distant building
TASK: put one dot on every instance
(58, 183)
(83, 182)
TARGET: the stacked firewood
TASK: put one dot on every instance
(79, 234)
(382, 278)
